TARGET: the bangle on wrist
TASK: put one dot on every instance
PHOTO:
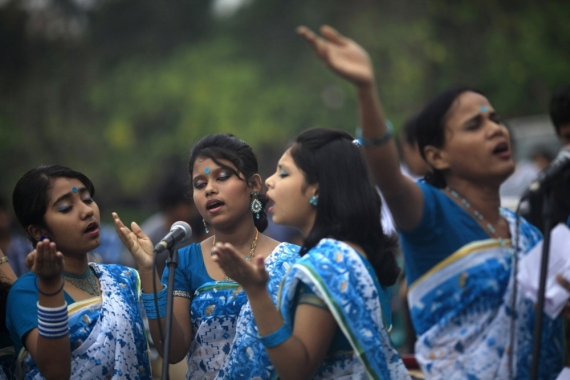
(277, 337)
(50, 294)
(375, 141)
(4, 259)
(150, 307)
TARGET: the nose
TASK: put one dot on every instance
(495, 128)
(269, 181)
(87, 210)
(210, 188)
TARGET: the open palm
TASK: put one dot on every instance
(136, 241)
(341, 54)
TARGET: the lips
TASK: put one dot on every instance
(214, 204)
(92, 229)
(270, 201)
(502, 150)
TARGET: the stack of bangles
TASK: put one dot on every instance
(53, 321)
(150, 307)
(277, 337)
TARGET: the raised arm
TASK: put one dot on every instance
(350, 61)
(142, 250)
(52, 354)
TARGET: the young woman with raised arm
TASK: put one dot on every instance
(458, 243)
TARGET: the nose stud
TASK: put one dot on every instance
(483, 109)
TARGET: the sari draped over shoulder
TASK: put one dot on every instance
(247, 358)
(338, 275)
(462, 310)
(225, 331)
(106, 333)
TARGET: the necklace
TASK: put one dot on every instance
(247, 258)
(86, 281)
(478, 216)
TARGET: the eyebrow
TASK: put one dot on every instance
(68, 195)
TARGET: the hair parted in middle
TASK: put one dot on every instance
(228, 147)
(349, 207)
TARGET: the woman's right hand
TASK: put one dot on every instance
(137, 242)
(341, 54)
(46, 261)
(252, 276)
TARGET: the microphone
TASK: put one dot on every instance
(552, 171)
(179, 232)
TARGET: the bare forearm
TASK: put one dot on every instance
(179, 345)
(53, 357)
(290, 358)
(180, 336)
(383, 159)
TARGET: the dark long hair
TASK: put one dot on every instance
(228, 147)
(32, 192)
(348, 206)
(4, 289)
(429, 127)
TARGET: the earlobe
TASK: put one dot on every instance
(436, 158)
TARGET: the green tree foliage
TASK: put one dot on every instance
(142, 80)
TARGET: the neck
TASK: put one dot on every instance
(241, 236)
(74, 264)
(483, 198)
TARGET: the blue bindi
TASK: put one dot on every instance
(74, 189)
(484, 109)
(207, 170)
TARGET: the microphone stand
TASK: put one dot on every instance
(172, 265)
(547, 206)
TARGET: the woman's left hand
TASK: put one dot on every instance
(250, 275)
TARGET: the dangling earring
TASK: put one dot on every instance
(205, 226)
(256, 205)
(314, 200)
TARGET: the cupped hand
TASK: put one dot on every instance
(46, 261)
(250, 275)
(137, 242)
(341, 54)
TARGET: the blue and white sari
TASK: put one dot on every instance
(106, 333)
(247, 358)
(462, 312)
(217, 311)
(339, 276)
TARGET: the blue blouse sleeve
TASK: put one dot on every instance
(21, 309)
(183, 273)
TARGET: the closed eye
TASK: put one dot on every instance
(64, 209)
(283, 173)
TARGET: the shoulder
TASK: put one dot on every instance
(25, 283)
(287, 249)
(189, 253)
